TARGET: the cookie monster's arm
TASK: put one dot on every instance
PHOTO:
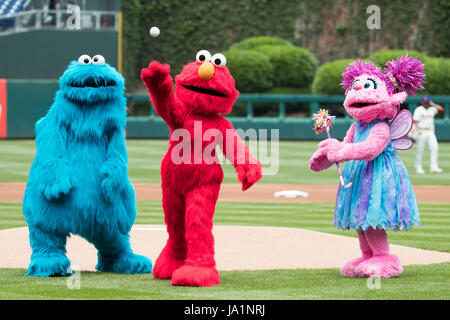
(52, 170)
(159, 84)
(114, 171)
(366, 150)
(248, 168)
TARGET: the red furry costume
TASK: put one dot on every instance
(203, 90)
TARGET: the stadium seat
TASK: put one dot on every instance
(10, 7)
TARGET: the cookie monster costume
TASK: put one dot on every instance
(79, 178)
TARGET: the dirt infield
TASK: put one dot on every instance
(258, 193)
(237, 248)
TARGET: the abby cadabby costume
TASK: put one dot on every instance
(379, 194)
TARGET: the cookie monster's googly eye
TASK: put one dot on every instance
(203, 55)
(98, 60)
(84, 60)
(219, 60)
(370, 84)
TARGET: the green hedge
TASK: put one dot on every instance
(438, 76)
(255, 42)
(262, 63)
(381, 57)
(293, 67)
(131, 42)
(191, 25)
(251, 70)
(329, 77)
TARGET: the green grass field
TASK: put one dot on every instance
(417, 282)
(433, 235)
(145, 155)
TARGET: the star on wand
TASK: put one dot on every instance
(322, 120)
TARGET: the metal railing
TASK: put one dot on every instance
(59, 20)
(290, 128)
(315, 102)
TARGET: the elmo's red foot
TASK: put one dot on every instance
(165, 265)
(196, 276)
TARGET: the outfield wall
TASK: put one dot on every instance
(44, 54)
(25, 101)
(3, 109)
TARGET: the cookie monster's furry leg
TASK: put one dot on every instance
(49, 254)
(50, 182)
(349, 269)
(115, 255)
(382, 264)
(173, 255)
(199, 269)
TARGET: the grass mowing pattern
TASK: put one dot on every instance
(145, 158)
(416, 282)
(433, 235)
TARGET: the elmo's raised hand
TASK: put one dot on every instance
(155, 74)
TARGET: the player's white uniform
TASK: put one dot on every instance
(425, 126)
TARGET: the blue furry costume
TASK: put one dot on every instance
(79, 178)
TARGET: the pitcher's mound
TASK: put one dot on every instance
(237, 248)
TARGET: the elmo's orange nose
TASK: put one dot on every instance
(206, 70)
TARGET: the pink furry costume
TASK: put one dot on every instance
(204, 90)
(381, 196)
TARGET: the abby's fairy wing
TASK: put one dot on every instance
(402, 144)
(401, 124)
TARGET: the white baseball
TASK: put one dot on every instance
(154, 32)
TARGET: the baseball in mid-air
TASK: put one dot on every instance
(154, 32)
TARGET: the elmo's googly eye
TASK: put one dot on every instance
(219, 60)
(203, 55)
(84, 60)
(98, 60)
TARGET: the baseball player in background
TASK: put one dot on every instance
(424, 122)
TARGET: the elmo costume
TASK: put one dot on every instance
(205, 89)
